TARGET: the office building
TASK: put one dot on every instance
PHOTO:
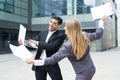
(35, 16)
(43, 10)
(12, 14)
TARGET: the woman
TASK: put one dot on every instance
(76, 49)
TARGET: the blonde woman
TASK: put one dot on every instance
(76, 49)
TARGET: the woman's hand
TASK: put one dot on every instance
(35, 62)
(103, 18)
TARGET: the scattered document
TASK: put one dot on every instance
(21, 51)
(22, 33)
(100, 11)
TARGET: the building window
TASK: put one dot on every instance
(10, 1)
(21, 7)
(42, 8)
(17, 7)
(9, 8)
(6, 5)
(1, 6)
(82, 8)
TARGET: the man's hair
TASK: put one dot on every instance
(57, 18)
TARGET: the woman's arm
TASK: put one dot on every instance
(99, 31)
(101, 22)
(62, 53)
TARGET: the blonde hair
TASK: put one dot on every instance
(78, 39)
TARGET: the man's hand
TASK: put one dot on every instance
(30, 41)
(20, 42)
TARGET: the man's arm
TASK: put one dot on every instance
(54, 44)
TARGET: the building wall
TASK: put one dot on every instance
(109, 39)
(21, 11)
(12, 14)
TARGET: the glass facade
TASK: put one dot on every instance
(7, 36)
(13, 13)
(42, 8)
(82, 8)
(6, 5)
(17, 7)
(21, 7)
(18, 11)
(65, 8)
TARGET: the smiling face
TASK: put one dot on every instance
(53, 25)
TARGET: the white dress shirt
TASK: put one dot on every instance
(43, 55)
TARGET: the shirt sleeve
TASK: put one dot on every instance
(101, 24)
(98, 33)
(39, 62)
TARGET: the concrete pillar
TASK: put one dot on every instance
(69, 7)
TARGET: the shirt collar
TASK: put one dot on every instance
(52, 31)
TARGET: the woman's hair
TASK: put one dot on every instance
(78, 39)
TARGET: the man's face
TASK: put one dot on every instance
(53, 25)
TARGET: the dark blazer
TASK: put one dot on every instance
(85, 63)
(53, 44)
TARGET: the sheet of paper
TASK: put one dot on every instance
(22, 33)
(21, 51)
(100, 11)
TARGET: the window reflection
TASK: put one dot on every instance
(42, 8)
(18, 7)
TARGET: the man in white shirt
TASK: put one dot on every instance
(49, 42)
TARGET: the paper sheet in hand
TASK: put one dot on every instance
(20, 51)
(22, 33)
(100, 11)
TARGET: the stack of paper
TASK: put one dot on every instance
(21, 51)
(99, 11)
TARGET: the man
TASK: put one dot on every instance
(49, 42)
